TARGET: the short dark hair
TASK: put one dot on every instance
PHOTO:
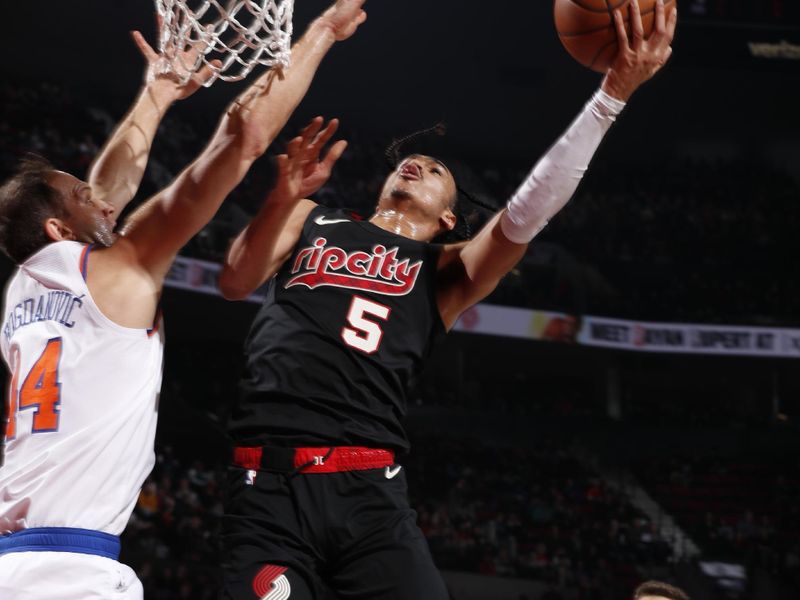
(659, 588)
(26, 202)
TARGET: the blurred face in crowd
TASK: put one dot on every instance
(88, 220)
(421, 187)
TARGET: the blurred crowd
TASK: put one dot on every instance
(531, 513)
(682, 240)
(745, 510)
(171, 539)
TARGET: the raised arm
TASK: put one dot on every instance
(166, 222)
(117, 171)
(158, 229)
(470, 271)
(264, 245)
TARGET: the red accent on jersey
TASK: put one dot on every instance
(321, 460)
(380, 271)
(262, 583)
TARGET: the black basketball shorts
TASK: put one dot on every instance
(290, 534)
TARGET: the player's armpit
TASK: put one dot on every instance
(470, 271)
(260, 250)
(121, 288)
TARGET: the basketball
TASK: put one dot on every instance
(586, 27)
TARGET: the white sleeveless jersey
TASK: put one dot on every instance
(83, 401)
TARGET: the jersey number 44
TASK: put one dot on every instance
(40, 390)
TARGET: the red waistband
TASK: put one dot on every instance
(318, 460)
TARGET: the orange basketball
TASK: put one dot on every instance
(586, 27)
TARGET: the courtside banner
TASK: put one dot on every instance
(489, 319)
(690, 338)
(620, 334)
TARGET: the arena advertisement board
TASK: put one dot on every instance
(690, 338)
(619, 334)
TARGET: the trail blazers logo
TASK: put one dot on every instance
(271, 584)
(379, 271)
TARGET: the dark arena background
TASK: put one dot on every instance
(624, 407)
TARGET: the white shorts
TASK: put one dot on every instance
(66, 576)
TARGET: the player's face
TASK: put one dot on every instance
(422, 182)
(90, 220)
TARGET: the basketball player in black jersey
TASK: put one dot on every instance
(317, 505)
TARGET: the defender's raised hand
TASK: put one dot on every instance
(117, 171)
(639, 59)
(167, 83)
(300, 170)
(344, 17)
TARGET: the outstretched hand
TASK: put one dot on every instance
(301, 172)
(168, 83)
(344, 17)
(639, 59)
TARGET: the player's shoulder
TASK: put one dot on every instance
(327, 213)
(119, 264)
(304, 209)
(63, 248)
(449, 254)
(56, 257)
(122, 252)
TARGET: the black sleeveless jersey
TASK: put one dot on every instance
(346, 326)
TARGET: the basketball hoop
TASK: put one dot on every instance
(239, 33)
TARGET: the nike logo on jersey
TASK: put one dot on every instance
(391, 472)
(323, 220)
(379, 271)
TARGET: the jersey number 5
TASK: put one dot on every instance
(364, 334)
(40, 390)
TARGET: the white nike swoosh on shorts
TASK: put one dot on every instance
(391, 472)
(322, 220)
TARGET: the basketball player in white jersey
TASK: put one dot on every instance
(80, 332)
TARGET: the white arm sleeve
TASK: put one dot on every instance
(557, 174)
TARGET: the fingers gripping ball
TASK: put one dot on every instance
(587, 30)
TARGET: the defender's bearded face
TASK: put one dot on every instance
(90, 220)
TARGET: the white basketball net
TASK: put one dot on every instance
(240, 33)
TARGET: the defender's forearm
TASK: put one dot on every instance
(262, 247)
(265, 107)
(117, 171)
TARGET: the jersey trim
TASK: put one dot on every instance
(61, 539)
(156, 322)
(84, 260)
